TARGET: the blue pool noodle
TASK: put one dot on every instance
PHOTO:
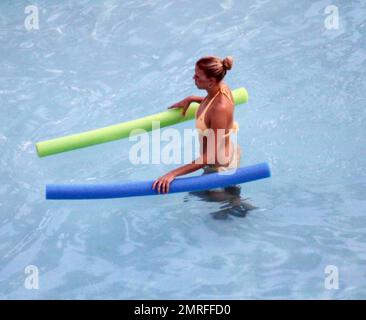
(144, 188)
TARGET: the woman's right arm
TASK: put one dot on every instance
(185, 103)
(196, 99)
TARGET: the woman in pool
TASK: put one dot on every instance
(214, 113)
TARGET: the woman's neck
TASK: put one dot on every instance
(212, 91)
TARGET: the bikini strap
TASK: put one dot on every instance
(209, 104)
(224, 92)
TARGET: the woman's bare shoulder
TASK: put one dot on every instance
(225, 99)
(222, 105)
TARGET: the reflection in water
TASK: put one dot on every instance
(232, 203)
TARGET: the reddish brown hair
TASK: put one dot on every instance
(214, 67)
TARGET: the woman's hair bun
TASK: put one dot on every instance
(228, 62)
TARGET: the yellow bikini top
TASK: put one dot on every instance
(200, 121)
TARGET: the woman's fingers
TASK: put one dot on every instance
(161, 185)
(175, 106)
(167, 184)
(156, 183)
(184, 111)
(158, 186)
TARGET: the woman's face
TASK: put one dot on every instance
(200, 79)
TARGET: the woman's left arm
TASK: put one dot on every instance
(162, 184)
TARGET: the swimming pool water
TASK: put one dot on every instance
(95, 63)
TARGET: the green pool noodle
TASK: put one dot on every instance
(123, 130)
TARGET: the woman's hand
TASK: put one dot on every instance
(162, 183)
(182, 104)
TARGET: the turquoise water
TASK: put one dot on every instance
(96, 63)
